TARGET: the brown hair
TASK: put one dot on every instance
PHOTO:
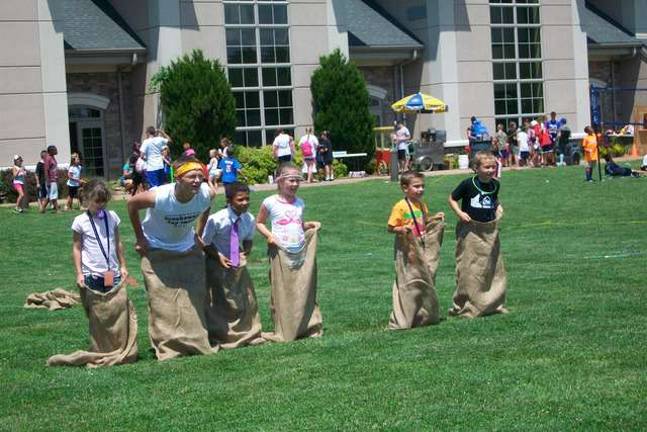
(480, 157)
(407, 177)
(150, 130)
(96, 190)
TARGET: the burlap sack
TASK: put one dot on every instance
(481, 280)
(177, 299)
(415, 302)
(293, 278)
(53, 300)
(232, 312)
(113, 330)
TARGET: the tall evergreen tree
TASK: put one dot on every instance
(196, 101)
(341, 104)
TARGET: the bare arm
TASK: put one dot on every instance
(123, 270)
(457, 209)
(201, 222)
(76, 258)
(261, 217)
(135, 204)
(164, 135)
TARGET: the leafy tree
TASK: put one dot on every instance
(197, 103)
(340, 104)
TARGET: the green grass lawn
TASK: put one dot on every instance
(572, 354)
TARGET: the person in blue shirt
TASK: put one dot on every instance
(230, 167)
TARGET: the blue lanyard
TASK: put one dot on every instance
(96, 233)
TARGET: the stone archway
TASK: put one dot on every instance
(86, 124)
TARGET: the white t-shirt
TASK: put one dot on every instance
(152, 149)
(522, 139)
(74, 175)
(169, 225)
(282, 144)
(287, 222)
(644, 161)
(217, 231)
(402, 136)
(92, 260)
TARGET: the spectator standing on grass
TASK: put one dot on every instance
(151, 153)
(513, 145)
(19, 173)
(325, 153)
(523, 145)
(283, 147)
(41, 182)
(308, 145)
(51, 175)
(212, 167)
(500, 144)
(402, 138)
(74, 180)
(225, 145)
(590, 147)
(229, 168)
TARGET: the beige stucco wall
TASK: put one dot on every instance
(33, 106)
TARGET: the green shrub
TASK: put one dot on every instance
(196, 101)
(340, 104)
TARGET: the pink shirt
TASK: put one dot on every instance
(51, 168)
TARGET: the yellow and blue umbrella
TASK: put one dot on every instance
(419, 102)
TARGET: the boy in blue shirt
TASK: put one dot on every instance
(230, 168)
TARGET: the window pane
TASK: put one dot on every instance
(269, 76)
(526, 91)
(284, 76)
(251, 77)
(249, 55)
(271, 116)
(499, 107)
(248, 37)
(508, 35)
(240, 118)
(508, 51)
(286, 116)
(267, 55)
(524, 51)
(254, 117)
(231, 14)
(495, 15)
(270, 98)
(239, 97)
(526, 106)
(236, 77)
(497, 70)
(280, 14)
(511, 106)
(254, 138)
(252, 99)
(233, 37)
(265, 14)
(499, 91)
(511, 91)
(267, 36)
(507, 15)
(282, 54)
(240, 137)
(285, 98)
(535, 51)
(281, 37)
(497, 51)
(510, 71)
(538, 105)
(234, 55)
(246, 14)
(497, 35)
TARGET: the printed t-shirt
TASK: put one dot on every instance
(287, 222)
(401, 216)
(74, 175)
(51, 168)
(217, 230)
(282, 145)
(169, 225)
(553, 126)
(93, 261)
(522, 139)
(479, 200)
(402, 136)
(152, 149)
(590, 147)
(501, 138)
(230, 168)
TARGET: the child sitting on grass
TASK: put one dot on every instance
(480, 274)
(418, 239)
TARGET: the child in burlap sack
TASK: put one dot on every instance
(292, 247)
(481, 281)
(418, 239)
(101, 273)
(232, 312)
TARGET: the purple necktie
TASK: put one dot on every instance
(234, 252)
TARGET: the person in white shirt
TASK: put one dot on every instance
(283, 147)
(172, 259)
(151, 152)
(402, 138)
(74, 180)
(524, 146)
(232, 315)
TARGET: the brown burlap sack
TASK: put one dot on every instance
(113, 330)
(481, 280)
(177, 299)
(53, 300)
(415, 302)
(232, 312)
(293, 278)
